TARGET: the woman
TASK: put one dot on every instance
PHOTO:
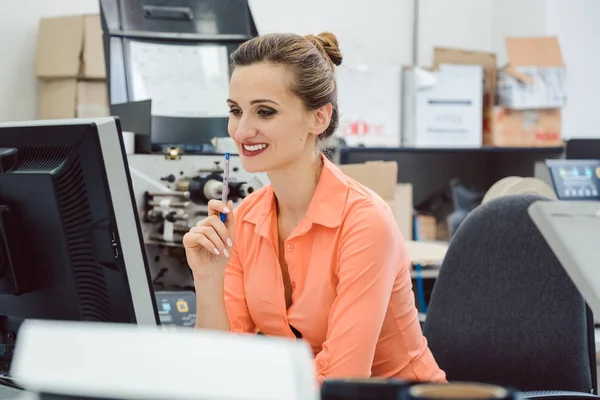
(314, 254)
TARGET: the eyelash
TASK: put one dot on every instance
(262, 113)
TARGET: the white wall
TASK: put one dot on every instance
(453, 23)
(576, 23)
(18, 36)
(505, 21)
(385, 38)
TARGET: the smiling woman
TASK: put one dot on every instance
(314, 255)
(274, 96)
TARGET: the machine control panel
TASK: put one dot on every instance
(575, 179)
(176, 308)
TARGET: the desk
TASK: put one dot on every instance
(9, 393)
(426, 273)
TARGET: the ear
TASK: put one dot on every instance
(322, 116)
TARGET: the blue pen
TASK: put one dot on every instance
(225, 185)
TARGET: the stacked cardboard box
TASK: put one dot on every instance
(70, 68)
(531, 93)
(442, 106)
(465, 100)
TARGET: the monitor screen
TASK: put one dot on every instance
(582, 149)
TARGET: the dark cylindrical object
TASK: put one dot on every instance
(202, 190)
(239, 190)
(205, 189)
(362, 389)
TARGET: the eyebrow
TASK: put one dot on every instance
(256, 101)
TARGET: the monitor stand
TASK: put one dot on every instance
(8, 337)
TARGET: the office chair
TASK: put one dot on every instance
(504, 311)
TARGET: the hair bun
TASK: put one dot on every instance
(328, 44)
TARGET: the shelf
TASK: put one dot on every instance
(486, 149)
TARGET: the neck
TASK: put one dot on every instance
(295, 184)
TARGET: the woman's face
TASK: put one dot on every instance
(269, 124)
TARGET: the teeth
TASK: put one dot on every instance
(255, 147)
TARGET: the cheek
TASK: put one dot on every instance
(232, 126)
(290, 134)
(296, 131)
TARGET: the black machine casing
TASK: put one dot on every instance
(177, 22)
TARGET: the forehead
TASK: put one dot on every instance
(262, 80)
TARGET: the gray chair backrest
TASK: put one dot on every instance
(504, 311)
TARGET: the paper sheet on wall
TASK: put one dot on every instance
(181, 81)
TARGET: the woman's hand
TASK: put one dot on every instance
(209, 244)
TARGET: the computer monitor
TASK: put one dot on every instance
(70, 240)
(572, 230)
(582, 149)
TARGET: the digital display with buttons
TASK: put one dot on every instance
(575, 179)
(176, 308)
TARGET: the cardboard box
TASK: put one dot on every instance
(403, 209)
(70, 47)
(70, 68)
(381, 177)
(369, 103)
(427, 228)
(443, 108)
(535, 76)
(525, 128)
(72, 98)
(490, 75)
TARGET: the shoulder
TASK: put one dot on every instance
(367, 214)
(360, 201)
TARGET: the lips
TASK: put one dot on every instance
(253, 149)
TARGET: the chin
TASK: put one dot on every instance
(252, 165)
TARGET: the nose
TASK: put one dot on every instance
(243, 130)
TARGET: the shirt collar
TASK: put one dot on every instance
(326, 207)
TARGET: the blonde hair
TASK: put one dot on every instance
(311, 58)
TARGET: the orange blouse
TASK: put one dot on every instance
(352, 298)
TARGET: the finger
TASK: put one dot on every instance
(215, 207)
(215, 223)
(211, 234)
(224, 233)
(230, 223)
(193, 240)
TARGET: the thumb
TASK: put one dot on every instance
(230, 222)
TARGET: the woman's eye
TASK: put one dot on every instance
(266, 113)
(234, 111)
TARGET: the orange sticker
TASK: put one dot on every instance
(182, 306)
